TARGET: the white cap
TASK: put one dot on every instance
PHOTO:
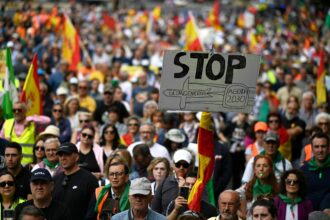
(62, 91)
(182, 154)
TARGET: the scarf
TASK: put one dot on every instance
(289, 201)
(123, 202)
(259, 189)
(278, 158)
(313, 166)
(50, 164)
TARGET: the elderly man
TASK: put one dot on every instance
(75, 186)
(139, 199)
(42, 185)
(112, 198)
(22, 129)
(147, 135)
(51, 162)
(229, 203)
(317, 172)
(272, 143)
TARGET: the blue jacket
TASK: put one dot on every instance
(126, 215)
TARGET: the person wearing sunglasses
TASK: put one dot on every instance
(42, 185)
(132, 135)
(85, 100)
(110, 140)
(60, 121)
(75, 186)
(90, 153)
(9, 197)
(38, 152)
(169, 189)
(85, 119)
(23, 129)
(291, 202)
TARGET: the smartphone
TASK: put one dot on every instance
(8, 214)
(184, 192)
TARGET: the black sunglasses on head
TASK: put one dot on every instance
(184, 164)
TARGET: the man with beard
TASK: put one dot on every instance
(147, 136)
(296, 130)
(228, 206)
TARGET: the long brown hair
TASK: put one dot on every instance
(271, 179)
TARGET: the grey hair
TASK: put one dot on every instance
(318, 215)
(308, 94)
(52, 140)
(322, 115)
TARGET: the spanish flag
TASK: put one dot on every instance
(206, 161)
(321, 95)
(213, 18)
(31, 91)
(192, 41)
(71, 45)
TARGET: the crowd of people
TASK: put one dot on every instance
(104, 150)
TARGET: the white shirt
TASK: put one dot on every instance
(291, 215)
(156, 150)
(248, 172)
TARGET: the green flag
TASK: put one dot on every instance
(9, 92)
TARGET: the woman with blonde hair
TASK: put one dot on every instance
(158, 169)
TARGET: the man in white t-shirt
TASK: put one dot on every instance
(147, 135)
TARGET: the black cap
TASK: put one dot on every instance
(68, 148)
(41, 174)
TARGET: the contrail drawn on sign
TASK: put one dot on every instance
(231, 96)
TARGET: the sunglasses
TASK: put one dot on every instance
(109, 132)
(7, 183)
(84, 121)
(291, 182)
(82, 87)
(184, 164)
(57, 110)
(107, 93)
(135, 124)
(17, 110)
(40, 148)
(89, 136)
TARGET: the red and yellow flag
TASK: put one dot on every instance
(321, 95)
(192, 41)
(31, 92)
(206, 161)
(213, 18)
(71, 45)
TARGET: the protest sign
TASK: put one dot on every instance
(204, 81)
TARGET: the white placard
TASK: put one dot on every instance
(204, 81)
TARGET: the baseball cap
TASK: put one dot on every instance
(271, 136)
(62, 91)
(140, 186)
(41, 174)
(73, 80)
(175, 135)
(260, 126)
(182, 154)
(68, 148)
(108, 88)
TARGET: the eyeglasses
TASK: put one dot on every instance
(84, 121)
(291, 182)
(133, 124)
(7, 183)
(184, 164)
(114, 174)
(323, 123)
(17, 110)
(65, 181)
(57, 110)
(109, 132)
(82, 87)
(274, 121)
(39, 148)
(89, 136)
